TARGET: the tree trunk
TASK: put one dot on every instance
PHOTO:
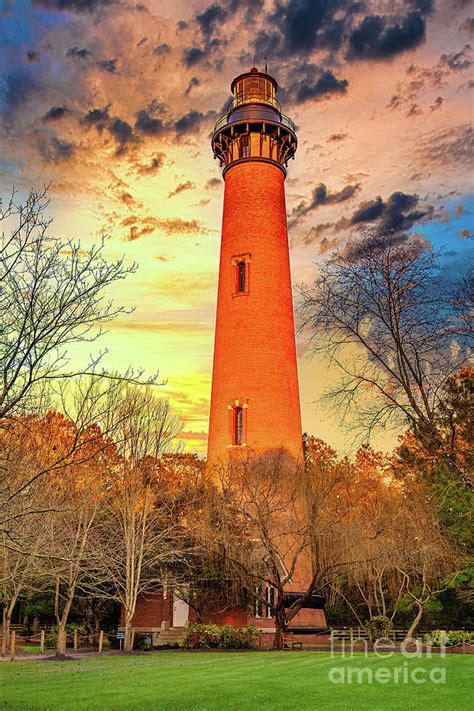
(62, 640)
(6, 617)
(127, 640)
(415, 622)
(280, 625)
(62, 619)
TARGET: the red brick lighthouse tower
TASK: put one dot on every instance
(255, 400)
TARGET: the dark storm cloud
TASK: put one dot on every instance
(194, 81)
(400, 212)
(395, 215)
(192, 120)
(73, 5)
(212, 16)
(318, 87)
(147, 124)
(296, 28)
(108, 65)
(122, 132)
(193, 55)
(375, 38)
(53, 149)
(56, 112)
(97, 117)
(321, 196)
(210, 26)
(302, 26)
(75, 52)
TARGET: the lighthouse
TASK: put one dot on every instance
(255, 405)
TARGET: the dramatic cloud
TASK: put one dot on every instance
(399, 212)
(55, 113)
(321, 196)
(357, 30)
(122, 132)
(149, 125)
(97, 117)
(317, 85)
(192, 121)
(53, 149)
(375, 38)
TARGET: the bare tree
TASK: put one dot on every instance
(53, 295)
(258, 524)
(386, 315)
(140, 536)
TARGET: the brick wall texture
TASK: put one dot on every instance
(254, 351)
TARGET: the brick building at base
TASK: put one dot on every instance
(165, 617)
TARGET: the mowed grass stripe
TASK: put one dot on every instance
(210, 681)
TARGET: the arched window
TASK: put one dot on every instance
(241, 277)
(238, 425)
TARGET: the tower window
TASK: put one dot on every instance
(241, 276)
(238, 425)
(245, 147)
(241, 267)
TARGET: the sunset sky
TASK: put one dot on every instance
(114, 102)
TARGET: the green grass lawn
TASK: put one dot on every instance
(264, 680)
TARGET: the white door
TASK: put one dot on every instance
(180, 612)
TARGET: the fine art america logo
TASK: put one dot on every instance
(412, 670)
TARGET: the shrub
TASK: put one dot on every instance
(142, 642)
(220, 637)
(379, 627)
(448, 638)
(113, 641)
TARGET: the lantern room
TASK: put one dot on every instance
(253, 127)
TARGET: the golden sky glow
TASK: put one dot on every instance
(105, 100)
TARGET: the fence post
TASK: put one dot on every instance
(75, 639)
(101, 640)
(351, 637)
(42, 642)
(12, 646)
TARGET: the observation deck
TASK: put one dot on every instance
(253, 126)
